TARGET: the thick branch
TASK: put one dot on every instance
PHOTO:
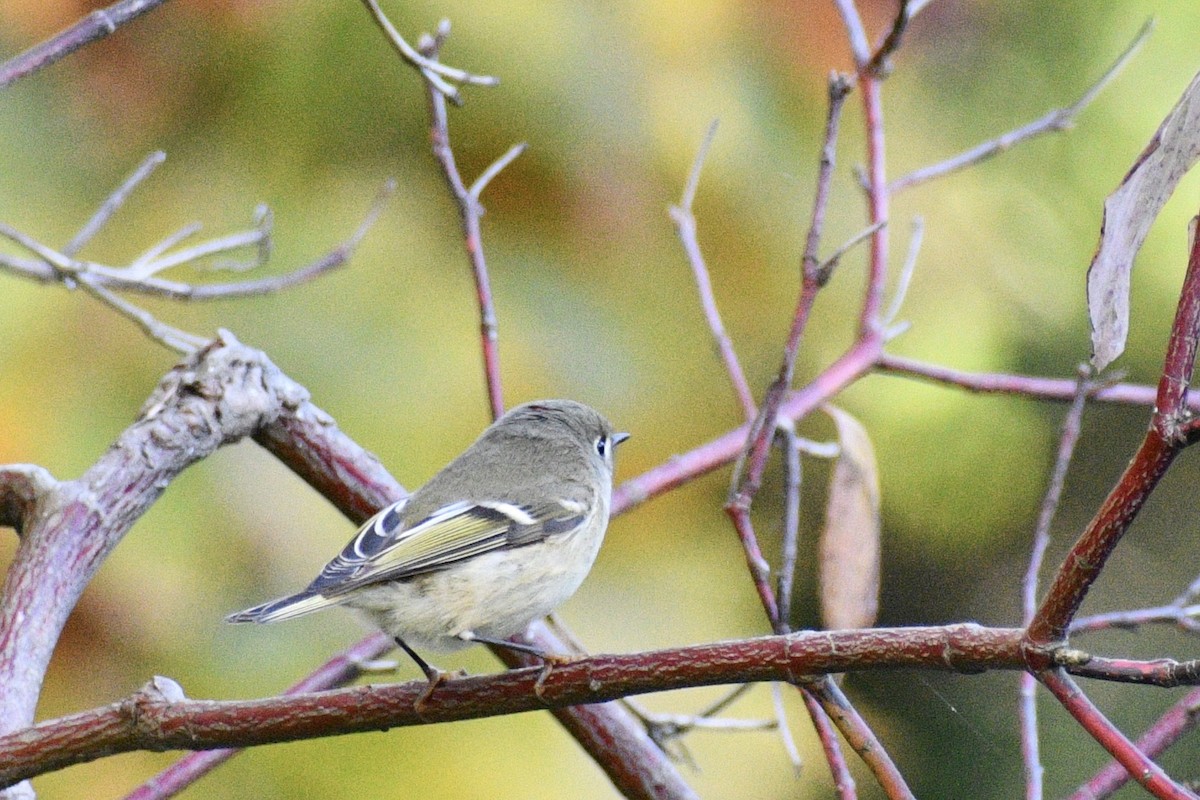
(150, 721)
(337, 671)
(221, 394)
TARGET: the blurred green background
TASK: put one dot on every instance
(303, 106)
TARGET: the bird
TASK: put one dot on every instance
(501, 536)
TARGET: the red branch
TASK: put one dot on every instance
(1136, 763)
(150, 721)
(1181, 718)
(1163, 441)
(337, 671)
(470, 210)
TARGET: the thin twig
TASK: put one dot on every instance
(825, 268)
(155, 250)
(494, 169)
(879, 65)
(436, 74)
(1184, 616)
(330, 261)
(878, 201)
(906, 273)
(1050, 503)
(73, 274)
(1059, 119)
(789, 548)
(685, 226)
(96, 25)
(470, 210)
(785, 733)
(860, 48)
(1029, 386)
(1027, 704)
(253, 237)
(56, 265)
(99, 279)
(113, 203)
(178, 340)
(668, 730)
(1182, 611)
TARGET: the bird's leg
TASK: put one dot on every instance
(434, 676)
(549, 660)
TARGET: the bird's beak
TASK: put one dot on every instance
(617, 438)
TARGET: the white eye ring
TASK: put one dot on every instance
(602, 446)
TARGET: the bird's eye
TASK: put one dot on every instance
(602, 446)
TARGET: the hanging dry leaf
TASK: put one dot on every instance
(849, 567)
(1128, 215)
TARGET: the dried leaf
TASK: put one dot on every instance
(1128, 215)
(849, 568)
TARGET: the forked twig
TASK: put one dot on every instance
(470, 211)
(436, 74)
(685, 226)
(1059, 119)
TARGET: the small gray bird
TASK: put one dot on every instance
(502, 536)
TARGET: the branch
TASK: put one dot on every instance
(435, 73)
(1163, 441)
(685, 226)
(148, 720)
(1027, 704)
(337, 671)
(219, 395)
(152, 720)
(96, 25)
(1059, 119)
(1151, 777)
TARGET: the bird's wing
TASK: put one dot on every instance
(383, 549)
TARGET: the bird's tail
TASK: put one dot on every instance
(294, 605)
